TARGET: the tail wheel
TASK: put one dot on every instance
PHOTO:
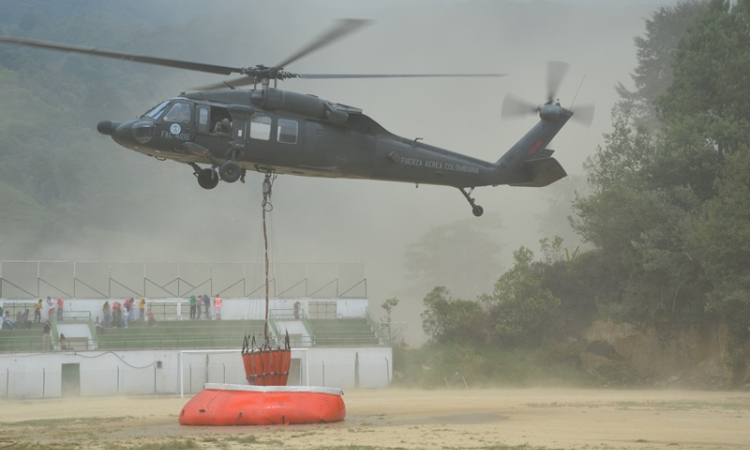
(208, 178)
(230, 171)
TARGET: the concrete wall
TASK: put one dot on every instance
(39, 375)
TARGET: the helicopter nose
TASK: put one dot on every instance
(107, 127)
(121, 132)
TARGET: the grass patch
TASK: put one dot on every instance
(173, 444)
(64, 422)
(244, 439)
(733, 405)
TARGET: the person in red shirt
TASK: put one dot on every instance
(117, 314)
(217, 305)
(128, 306)
(60, 304)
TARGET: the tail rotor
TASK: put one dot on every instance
(556, 70)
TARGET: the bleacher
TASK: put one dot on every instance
(192, 335)
(343, 333)
(186, 334)
(20, 340)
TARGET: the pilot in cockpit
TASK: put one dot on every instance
(224, 127)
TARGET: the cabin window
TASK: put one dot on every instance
(157, 110)
(287, 133)
(202, 119)
(179, 112)
(221, 121)
(260, 127)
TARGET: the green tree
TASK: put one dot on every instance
(710, 77)
(449, 320)
(722, 242)
(639, 214)
(388, 306)
(655, 51)
(520, 310)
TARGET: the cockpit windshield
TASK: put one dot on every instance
(157, 110)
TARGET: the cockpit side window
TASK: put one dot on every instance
(157, 110)
(203, 119)
(260, 127)
(179, 112)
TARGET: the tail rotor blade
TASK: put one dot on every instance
(556, 71)
(515, 107)
(584, 114)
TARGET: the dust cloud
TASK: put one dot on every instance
(338, 221)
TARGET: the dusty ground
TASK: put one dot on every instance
(409, 419)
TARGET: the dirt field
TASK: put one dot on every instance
(408, 419)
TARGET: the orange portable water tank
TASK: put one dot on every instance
(232, 404)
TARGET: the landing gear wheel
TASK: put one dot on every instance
(208, 178)
(475, 209)
(230, 171)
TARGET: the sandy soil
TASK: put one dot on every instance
(409, 419)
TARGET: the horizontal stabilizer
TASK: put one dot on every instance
(544, 153)
(541, 172)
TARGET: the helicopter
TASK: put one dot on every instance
(222, 131)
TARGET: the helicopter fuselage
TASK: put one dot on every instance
(281, 132)
(289, 133)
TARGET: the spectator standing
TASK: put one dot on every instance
(199, 307)
(106, 311)
(117, 314)
(60, 305)
(192, 307)
(128, 306)
(46, 337)
(217, 305)
(50, 308)
(142, 309)
(207, 305)
(38, 311)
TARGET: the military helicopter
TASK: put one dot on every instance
(230, 131)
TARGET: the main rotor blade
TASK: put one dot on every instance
(241, 81)
(514, 107)
(200, 67)
(555, 73)
(334, 76)
(344, 27)
(584, 114)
